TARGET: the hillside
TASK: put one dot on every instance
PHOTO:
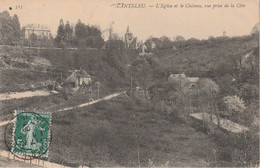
(111, 66)
(199, 59)
(131, 129)
(18, 57)
(22, 69)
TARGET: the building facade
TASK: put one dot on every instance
(79, 78)
(40, 30)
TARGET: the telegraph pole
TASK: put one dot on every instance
(60, 73)
(137, 143)
(91, 90)
(98, 89)
(131, 85)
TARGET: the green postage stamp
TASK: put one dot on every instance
(31, 134)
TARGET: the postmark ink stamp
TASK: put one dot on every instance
(31, 134)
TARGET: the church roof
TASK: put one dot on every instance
(77, 73)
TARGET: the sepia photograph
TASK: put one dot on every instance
(129, 83)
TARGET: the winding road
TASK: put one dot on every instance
(79, 106)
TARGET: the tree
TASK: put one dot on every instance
(60, 37)
(16, 27)
(68, 32)
(93, 38)
(246, 153)
(153, 40)
(33, 39)
(114, 52)
(179, 41)
(88, 36)
(208, 90)
(192, 41)
(9, 28)
(143, 74)
(249, 92)
(165, 42)
(179, 38)
(80, 31)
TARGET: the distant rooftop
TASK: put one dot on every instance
(36, 26)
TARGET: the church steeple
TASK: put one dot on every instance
(129, 39)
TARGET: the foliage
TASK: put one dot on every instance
(68, 32)
(9, 29)
(115, 132)
(60, 33)
(249, 92)
(179, 38)
(160, 43)
(88, 36)
(83, 36)
(246, 154)
(208, 86)
(234, 104)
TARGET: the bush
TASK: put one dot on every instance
(234, 104)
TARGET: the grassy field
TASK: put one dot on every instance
(109, 133)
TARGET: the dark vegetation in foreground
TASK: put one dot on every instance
(119, 131)
(126, 131)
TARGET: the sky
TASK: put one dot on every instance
(143, 22)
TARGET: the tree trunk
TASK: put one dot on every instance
(217, 114)
(203, 116)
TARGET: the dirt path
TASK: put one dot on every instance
(81, 105)
(26, 94)
(4, 123)
(224, 123)
(7, 159)
(7, 162)
(93, 102)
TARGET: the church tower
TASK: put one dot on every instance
(129, 39)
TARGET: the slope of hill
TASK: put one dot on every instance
(13, 57)
(22, 69)
(199, 59)
(116, 132)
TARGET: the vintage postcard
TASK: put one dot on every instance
(129, 83)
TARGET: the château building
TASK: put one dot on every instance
(40, 30)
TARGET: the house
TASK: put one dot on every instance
(177, 77)
(143, 50)
(79, 78)
(172, 77)
(40, 30)
(141, 93)
(174, 48)
(192, 79)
